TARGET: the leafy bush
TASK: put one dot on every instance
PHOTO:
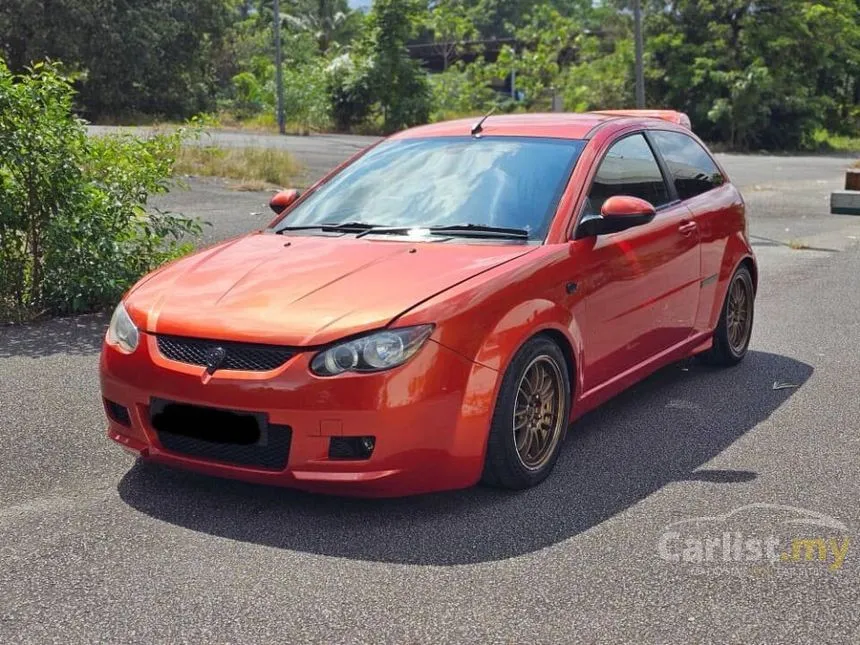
(306, 98)
(350, 87)
(250, 95)
(74, 231)
(306, 93)
(462, 90)
(601, 80)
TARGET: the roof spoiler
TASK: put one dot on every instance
(679, 118)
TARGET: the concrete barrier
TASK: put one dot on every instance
(845, 202)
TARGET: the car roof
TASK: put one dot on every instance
(561, 125)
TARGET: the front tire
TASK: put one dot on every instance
(530, 418)
(734, 329)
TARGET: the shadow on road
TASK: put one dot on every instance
(73, 335)
(661, 431)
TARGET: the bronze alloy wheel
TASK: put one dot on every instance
(538, 412)
(739, 314)
(734, 326)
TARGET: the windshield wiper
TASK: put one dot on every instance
(460, 230)
(339, 227)
(481, 229)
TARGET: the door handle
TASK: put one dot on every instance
(687, 227)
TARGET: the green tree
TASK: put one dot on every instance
(330, 21)
(135, 56)
(756, 74)
(547, 42)
(451, 23)
(399, 84)
(600, 79)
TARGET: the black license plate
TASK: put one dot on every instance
(212, 425)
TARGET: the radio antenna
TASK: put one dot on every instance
(479, 126)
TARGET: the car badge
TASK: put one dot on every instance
(214, 358)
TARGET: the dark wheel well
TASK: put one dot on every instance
(564, 345)
(750, 265)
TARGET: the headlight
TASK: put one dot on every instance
(375, 352)
(121, 332)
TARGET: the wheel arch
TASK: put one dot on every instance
(736, 254)
(566, 348)
(750, 264)
(496, 455)
(522, 323)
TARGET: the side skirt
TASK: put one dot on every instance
(591, 399)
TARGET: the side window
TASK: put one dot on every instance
(692, 168)
(629, 168)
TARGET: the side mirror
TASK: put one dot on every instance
(282, 199)
(618, 213)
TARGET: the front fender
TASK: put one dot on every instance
(489, 320)
(523, 321)
(491, 354)
(497, 346)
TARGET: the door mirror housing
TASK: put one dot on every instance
(624, 207)
(282, 200)
(618, 213)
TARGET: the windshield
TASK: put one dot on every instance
(511, 182)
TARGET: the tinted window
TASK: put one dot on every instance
(692, 168)
(629, 168)
(512, 182)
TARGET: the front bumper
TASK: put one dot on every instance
(430, 418)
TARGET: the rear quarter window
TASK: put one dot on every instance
(693, 170)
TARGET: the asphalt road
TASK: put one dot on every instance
(97, 548)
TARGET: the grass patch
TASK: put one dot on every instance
(249, 166)
(845, 144)
(251, 186)
(265, 123)
(828, 142)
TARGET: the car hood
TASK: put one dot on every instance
(302, 290)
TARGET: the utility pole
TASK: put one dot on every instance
(279, 81)
(640, 66)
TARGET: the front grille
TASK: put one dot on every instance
(238, 438)
(239, 356)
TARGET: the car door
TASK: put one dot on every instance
(715, 204)
(642, 283)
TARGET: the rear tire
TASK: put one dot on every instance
(734, 328)
(530, 418)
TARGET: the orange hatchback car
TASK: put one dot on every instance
(436, 311)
